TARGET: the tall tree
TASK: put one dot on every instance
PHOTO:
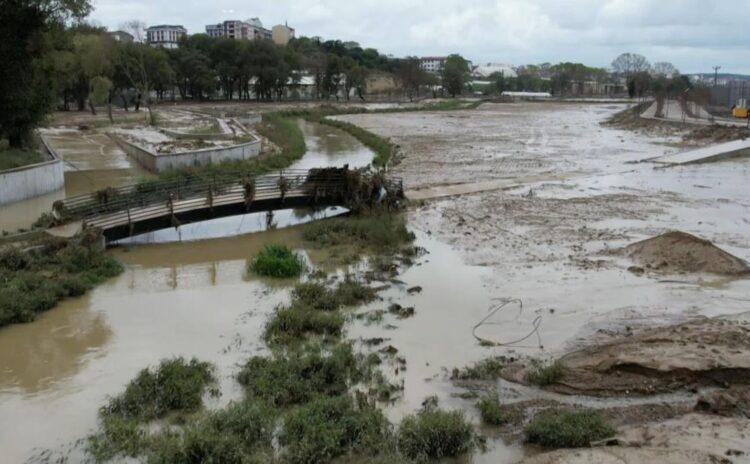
(410, 76)
(629, 64)
(455, 74)
(666, 69)
(27, 90)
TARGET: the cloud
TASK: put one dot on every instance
(694, 34)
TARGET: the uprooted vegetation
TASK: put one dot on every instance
(34, 281)
(544, 374)
(563, 428)
(377, 233)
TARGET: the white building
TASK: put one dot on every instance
(165, 36)
(121, 36)
(488, 69)
(433, 64)
(251, 29)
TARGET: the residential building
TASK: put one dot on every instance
(251, 29)
(432, 64)
(121, 36)
(165, 35)
(282, 34)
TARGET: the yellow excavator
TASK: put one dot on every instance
(740, 110)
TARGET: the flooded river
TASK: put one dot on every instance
(183, 294)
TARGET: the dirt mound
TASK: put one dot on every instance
(718, 133)
(662, 359)
(681, 252)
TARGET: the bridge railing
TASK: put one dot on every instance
(150, 193)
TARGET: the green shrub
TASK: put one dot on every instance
(31, 283)
(198, 444)
(175, 385)
(315, 295)
(491, 410)
(350, 292)
(290, 325)
(486, 369)
(278, 261)
(545, 374)
(567, 428)
(118, 437)
(434, 434)
(298, 377)
(329, 427)
(252, 422)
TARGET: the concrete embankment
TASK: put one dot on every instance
(32, 180)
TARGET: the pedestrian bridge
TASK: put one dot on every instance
(153, 205)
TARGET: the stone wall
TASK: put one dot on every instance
(32, 180)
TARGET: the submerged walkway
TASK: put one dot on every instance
(733, 149)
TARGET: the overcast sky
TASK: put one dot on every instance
(693, 34)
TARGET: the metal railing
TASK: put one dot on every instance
(152, 196)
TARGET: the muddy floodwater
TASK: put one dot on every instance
(524, 204)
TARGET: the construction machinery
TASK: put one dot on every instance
(741, 109)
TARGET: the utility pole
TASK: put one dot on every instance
(716, 74)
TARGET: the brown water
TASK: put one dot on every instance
(92, 162)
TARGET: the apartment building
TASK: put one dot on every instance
(282, 34)
(165, 35)
(432, 64)
(251, 29)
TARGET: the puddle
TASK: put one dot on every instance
(331, 147)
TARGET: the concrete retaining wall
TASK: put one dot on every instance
(250, 119)
(32, 180)
(165, 161)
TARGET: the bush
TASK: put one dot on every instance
(567, 428)
(278, 261)
(434, 434)
(316, 296)
(291, 324)
(252, 422)
(119, 437)
(491, 410)
(329, 427)
(381, 233)
(298, 377)
(545, 374)
(176, 385)
(486, 369)
(198, 444)
(31, 283)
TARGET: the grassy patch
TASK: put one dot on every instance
(34, 282)
(317, 296)
(277, 261)
(175, 385)
(434, 434)
(491, 410)
(11, 158)
(486, 369)
(382, 147)
(381, 233)
(567, 428)
(545, 374)
(292, 324)
(327, 428)
(299, 377)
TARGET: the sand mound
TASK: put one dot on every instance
(692, 354)
(624, 455)
(681, 252)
